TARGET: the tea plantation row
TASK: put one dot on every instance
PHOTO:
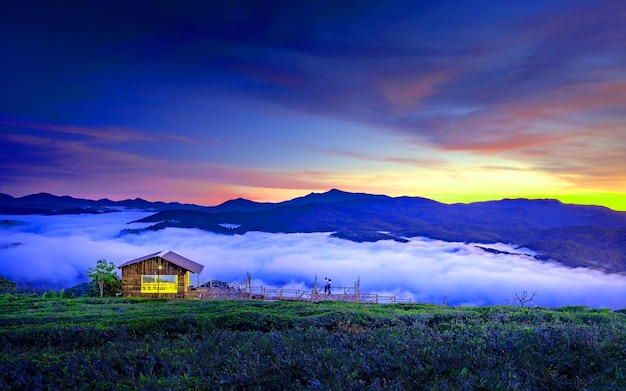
(141, 344)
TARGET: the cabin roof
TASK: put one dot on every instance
(171, 257)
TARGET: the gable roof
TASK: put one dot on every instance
(171, 257)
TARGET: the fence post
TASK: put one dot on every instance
(249, 284)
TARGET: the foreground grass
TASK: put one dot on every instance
(124, 344)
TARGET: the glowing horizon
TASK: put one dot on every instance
(614, 201)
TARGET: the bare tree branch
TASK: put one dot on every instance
(524, 298)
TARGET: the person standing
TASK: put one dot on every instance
(329, 280)
(325, 284)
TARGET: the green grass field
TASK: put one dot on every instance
(147, 344)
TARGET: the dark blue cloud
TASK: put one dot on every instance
(66, 59)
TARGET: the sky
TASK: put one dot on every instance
(422, 270)
(205, 101)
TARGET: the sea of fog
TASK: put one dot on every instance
(60, 248)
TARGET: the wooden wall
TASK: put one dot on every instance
(131, 277)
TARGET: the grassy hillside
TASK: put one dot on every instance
(109, 344)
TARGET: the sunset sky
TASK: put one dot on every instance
(268, 100)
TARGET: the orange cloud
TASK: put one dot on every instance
(410, 161)
(108, 133)
(405, 95)
(573, 114)
(496, 142)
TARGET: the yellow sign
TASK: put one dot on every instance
(159, 284)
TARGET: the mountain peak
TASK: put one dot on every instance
(237, 202)
(331, 196)
(241, 205)
(337, 191)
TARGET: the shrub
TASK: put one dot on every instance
(112, 343)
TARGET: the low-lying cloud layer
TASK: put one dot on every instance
(60, 248)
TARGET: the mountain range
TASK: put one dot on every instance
(573, 235)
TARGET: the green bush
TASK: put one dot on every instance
(129, 344)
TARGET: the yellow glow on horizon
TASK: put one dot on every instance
(613, 201)
(446, 194)
(465, 185)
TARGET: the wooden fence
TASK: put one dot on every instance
(274, 294)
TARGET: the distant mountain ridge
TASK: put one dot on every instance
(574, 235)
(48, 204)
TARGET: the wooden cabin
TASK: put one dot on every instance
(162, 274)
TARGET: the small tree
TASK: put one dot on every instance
(523, 299)
(104, 279)
(7, 286)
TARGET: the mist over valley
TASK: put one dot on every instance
(57, 248)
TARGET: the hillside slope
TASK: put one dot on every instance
(574, 235)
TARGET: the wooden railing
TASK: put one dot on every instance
(275, 294)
